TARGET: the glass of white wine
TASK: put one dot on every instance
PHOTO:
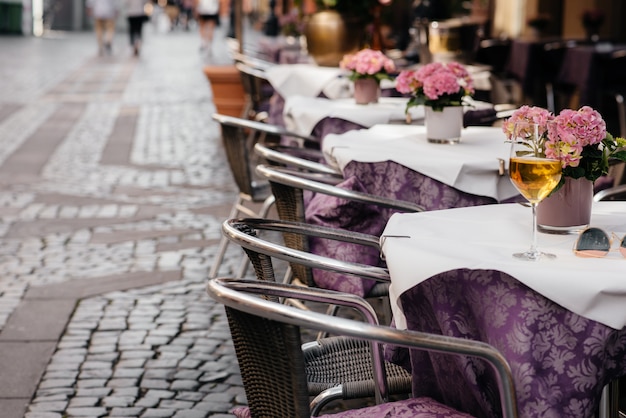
(534, 175)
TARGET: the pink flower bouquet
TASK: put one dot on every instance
(578, 138)
(368, 63)
(437, 85)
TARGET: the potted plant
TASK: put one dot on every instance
(367, 69)
(579, 139)
(441, 88)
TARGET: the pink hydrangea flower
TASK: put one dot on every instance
(577, 138)
(368, 63)
(530, 114)
(572, 131)
(436, 84)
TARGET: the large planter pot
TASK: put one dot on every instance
(366, 91)
(444, 127)
(329, 36)
(568, 209)
(229, 96)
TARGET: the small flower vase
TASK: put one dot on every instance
(568, 209)
(366, 91)
(444, 127)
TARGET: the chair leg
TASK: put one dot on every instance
(265, 208)
(221, 252)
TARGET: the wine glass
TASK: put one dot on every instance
(532, 174)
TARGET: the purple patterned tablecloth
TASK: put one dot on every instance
(386, 179)
(560, 361)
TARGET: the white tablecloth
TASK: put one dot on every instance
(485, 237)
(308, 80)
(302, 113)
(471, 166)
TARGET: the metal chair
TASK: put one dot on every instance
(612, 193)
(254, 197)
(289, 186)
(257, 89)
(338, 368)
(558, 95)
(495, 52)
(267, 340)
(303, 152)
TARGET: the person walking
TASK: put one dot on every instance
(208, 17)
(104, 13)
(136, 16)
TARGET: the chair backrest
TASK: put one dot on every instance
(612, 193)
(494, 52)
(258, 90)
(268, 133)
(305, 159)
(238, 145)
(552, 57)
(265, 335)
(261, 251)
(289, 186)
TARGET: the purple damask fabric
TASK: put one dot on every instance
(346, 214)
(387, 179)
(395, 181)
(330, 125)
(410, 408)
(560, 361)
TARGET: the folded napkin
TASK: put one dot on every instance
(308, 80)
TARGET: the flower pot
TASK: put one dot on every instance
(330, 36)
(444, 127)
(366, 91)
(568, 209)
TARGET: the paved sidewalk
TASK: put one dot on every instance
(113, 186)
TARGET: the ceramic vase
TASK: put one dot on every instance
(567, 210)
(444, 127)
(366, 90)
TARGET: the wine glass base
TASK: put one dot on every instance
(534, 256)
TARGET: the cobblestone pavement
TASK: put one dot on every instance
(113, 186)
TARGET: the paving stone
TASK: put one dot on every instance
(126, 412)
(86, 412)
(174, 404)
(100, 208)
(158, 413)
(82, 401)
(57, 406)
(154, 384)
(191, 414)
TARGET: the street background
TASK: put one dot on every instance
(113, 187)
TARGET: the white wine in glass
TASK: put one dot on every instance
(533, 175)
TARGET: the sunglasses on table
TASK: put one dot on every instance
(596, 243)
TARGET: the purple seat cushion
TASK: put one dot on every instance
(341, 213)
(413, 407)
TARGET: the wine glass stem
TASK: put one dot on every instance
(533, 245)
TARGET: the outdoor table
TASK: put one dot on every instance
(560, 323)
(583, 68)
(396, 161)
(320, 116)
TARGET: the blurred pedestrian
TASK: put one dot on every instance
(104, 13)
(208, 16)
(136, 16)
